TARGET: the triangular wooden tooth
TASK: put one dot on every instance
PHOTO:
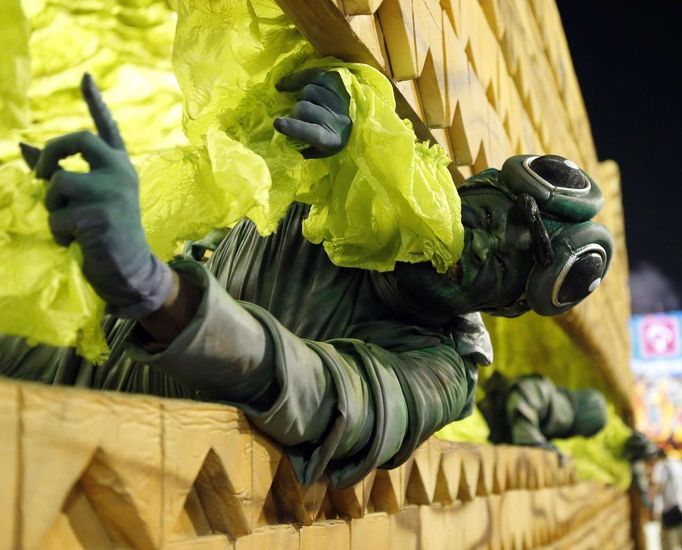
(296, 502)
(220, 501)
(265, 459)
(78, 525)
(352, 501)
(450, 471)
(113, 503)
(487, 471)
(468, 484)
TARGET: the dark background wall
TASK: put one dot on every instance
(628, 58)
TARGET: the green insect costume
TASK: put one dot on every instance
(531, 411)
(351, 362)
(349, 368)
(359, 366)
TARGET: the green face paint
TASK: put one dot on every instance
(494, 266)
(528, 244)
(497, 256)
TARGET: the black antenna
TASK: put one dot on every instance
(542, 246)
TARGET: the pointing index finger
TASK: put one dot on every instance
(104, 122)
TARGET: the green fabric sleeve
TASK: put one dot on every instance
(204, 355)
(527, 404)
(386, 405)
(343, 406)
(537, 411)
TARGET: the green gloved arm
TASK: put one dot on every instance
(100, 210)
(320, 116)
(527, 403)
(343, 406)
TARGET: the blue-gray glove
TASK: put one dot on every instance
(320, 116)
(100, 210)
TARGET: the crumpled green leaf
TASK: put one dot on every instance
(387, 197)
(44, 295)
(210, 187)
(384, 198)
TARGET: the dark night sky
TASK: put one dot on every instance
(627, 55)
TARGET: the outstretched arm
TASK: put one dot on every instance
(523, 414)
(528, 404)
(100, 209)
(341, 406)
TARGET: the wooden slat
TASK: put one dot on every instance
(131, 471)
(358, 7)
(10, 462)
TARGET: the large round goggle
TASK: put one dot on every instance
(557, 184)
(572, 254)
(582, 254)
(572, 261)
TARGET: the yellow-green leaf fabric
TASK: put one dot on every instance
(385, 198)
(473, 429)
(44, 295)
(15, 69)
